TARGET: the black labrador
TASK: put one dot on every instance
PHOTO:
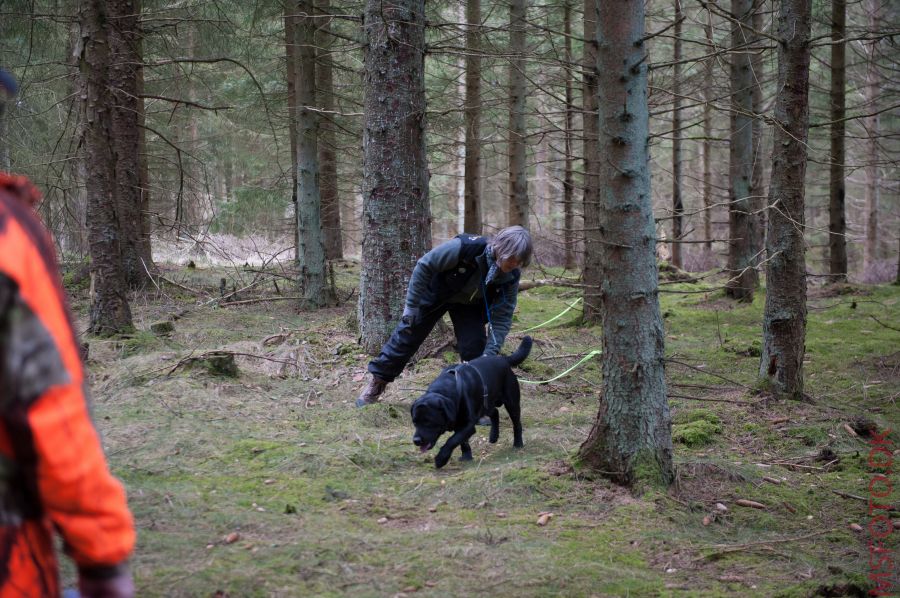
(461, 395)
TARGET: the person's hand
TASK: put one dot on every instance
(118, 586)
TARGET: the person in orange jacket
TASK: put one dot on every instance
(53, 473)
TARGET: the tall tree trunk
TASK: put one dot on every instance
(677, 202)
(592, 274)
(743, 278)
(290, 9)
(396, 218)
(837, 225)
(873, 132)
(518, 175)
(125, 64)
(568, 175)
(314, 287)
(145, 249)
(631, 440)
(758, 185)
(109, 312)
(708, 96)
(328, 179)
(784, 318)
(472, 222)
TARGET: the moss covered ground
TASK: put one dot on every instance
(272, 484)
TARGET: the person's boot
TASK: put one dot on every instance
(371, 392)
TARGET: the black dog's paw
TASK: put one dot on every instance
(465, 457)
(494, 437)
(441, 459)
(518, 444)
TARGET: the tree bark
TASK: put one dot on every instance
(472, 222)
(743, 278)
(630, 441)
(314, 288)
(145, 248)
(109, 313)
(592, 273)
(518, 175)
(873, 132)
(328, 179)
(758, 184)
(124, 74)
(677, 202)
(396, 217)
(837, 225)
(784, 318)
(290, 9)
(568, 175)
(708, 96)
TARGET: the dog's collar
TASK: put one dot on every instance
(485, 400)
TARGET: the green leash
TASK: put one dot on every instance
(556, 317)
(557, 377)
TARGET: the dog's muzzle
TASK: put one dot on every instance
(420, 442)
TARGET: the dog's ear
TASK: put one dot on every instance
(449, 408)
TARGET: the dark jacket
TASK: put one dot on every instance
(463, 270)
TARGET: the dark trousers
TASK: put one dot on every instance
(468, 325)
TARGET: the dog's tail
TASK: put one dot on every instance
(521, 353)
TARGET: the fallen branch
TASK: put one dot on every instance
(687, 365)
(723, 549)
(846, 495)
(672, 396)
(260, 300)
(533, 284)
(180, 286)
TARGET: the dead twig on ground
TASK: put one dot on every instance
(735, 401)
(723, 549)
(693, 367)
(258, 300)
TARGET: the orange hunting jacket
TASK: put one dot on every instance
(53, 474)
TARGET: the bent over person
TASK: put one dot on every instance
(476, 280)
(53, 474)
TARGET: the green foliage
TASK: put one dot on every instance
(251, 209)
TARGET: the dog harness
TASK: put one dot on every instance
(485, 396)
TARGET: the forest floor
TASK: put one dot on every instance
(271, 483)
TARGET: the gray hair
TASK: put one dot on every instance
(513, 242)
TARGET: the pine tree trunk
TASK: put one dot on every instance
(568, 175)
(109, 313)
(125, 64)
(784, 318)
(708, 96)
(145, 249)
(518, 175)
(472, 222)
(290, 9)
(758, 184)
(592, 274)
(314, 288)
(837, 225)
(677, 202)
(741, 256)
(630, 441)
(328, 179)
(873, 132)
(396, 218)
